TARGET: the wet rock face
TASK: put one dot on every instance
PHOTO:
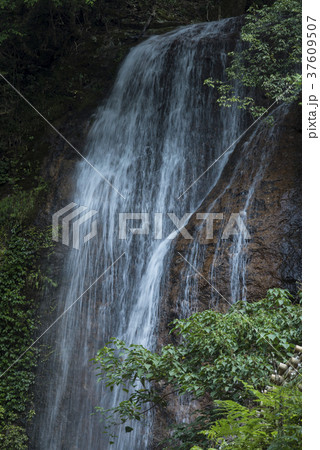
(262, 182)
(265, 165)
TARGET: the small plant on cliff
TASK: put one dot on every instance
(213, 351)
(270, 58)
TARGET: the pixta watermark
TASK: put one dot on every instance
(234, 226)
(72, 216)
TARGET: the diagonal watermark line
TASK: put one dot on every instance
(247, 320)
(60, 134)
(62, 314)
(238, 138)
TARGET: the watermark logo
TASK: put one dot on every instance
(143, 224)
(67, 223)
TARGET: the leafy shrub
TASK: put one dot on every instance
(213, 353)
(270, 58)
(273, 422)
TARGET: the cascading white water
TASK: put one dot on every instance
(268, 135)
(264, 138)
(158, 131)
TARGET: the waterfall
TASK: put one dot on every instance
(255, 153)
(157, 132)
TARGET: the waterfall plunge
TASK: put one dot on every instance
(157, 132)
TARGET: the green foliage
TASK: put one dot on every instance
(12, 437)
(34, 30)
(213, 353)
(12, 4)
(270, 59)
(273, 421)
(20, 248)
(18, 207)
